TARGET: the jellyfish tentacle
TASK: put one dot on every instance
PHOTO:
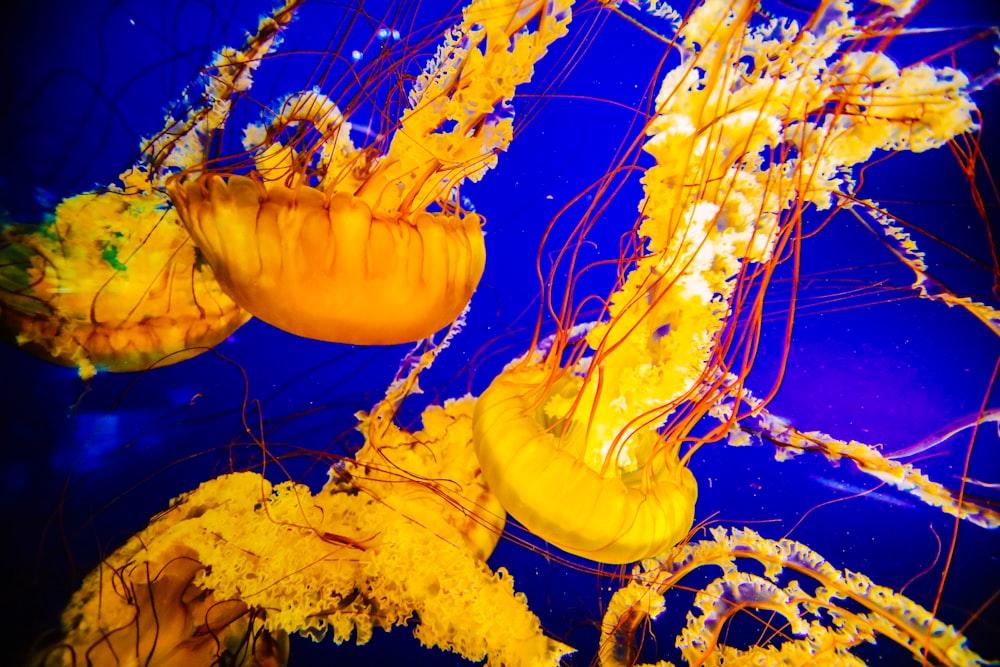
(820, 629)
(905, 248)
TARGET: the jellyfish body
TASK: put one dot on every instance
(326, 267)
(158, 616)
(113, 283)
(534, 473)
(379, 546)
(327, 241)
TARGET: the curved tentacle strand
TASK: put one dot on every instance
(821, 630)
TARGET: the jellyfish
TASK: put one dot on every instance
(111, 281)
(340, 243)
(586, 438)
(138, 295)
(397, 536)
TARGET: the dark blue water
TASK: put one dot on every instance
(86, 464)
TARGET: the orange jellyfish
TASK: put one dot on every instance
(342, 243)
(585, 439)
(112, 281)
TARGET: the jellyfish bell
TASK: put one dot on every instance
(158, 615)
(370, 245)
(111, 283)
(325, 267)
(534, 464)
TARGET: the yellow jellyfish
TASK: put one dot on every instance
(113, 281)
(397, 536)
(585, 439)
(340, 243)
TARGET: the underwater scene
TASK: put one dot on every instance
(509, 332)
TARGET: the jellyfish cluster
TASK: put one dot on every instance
(592, 428)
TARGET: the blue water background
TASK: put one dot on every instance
(86, 465)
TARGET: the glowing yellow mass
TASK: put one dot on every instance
(111, 283)
(534, 467)
(331, 243)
